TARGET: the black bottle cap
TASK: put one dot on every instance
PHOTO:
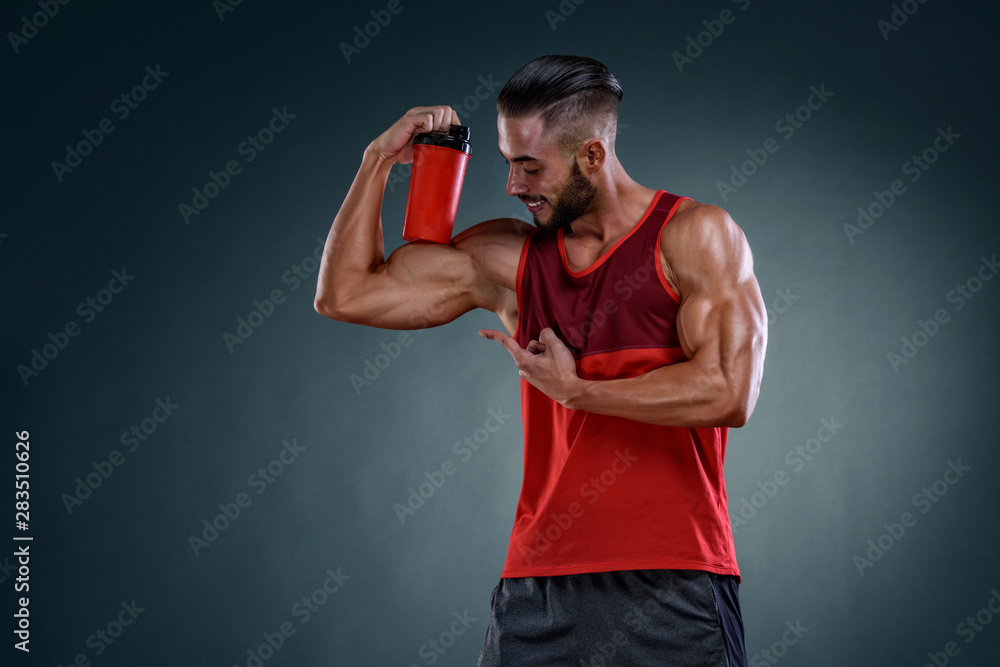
(456, 137)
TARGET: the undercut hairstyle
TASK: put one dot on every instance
(576, 97)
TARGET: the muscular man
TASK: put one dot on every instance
(638, 329)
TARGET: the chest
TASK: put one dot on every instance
(616, 301)
(582, 254)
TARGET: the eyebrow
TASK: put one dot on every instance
(520, 158)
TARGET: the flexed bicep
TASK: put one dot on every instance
(721, 322)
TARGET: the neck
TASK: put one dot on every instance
(618, 206)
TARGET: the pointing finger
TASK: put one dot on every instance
(508, 343)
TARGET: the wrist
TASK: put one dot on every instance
(377, 158)
(578, 396)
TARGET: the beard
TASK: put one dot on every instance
(576, 198)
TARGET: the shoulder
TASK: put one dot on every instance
(495, 246)
(695, 223)
(500, 231)
(702, 241)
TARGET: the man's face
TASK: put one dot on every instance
(555, 193)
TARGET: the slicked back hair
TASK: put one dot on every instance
(575, 96)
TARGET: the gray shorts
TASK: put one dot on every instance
(629, 617)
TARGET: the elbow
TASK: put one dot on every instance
(737, 410)
(351, 311)
(329, 309)
(735, 418)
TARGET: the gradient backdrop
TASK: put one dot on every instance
(171, 371)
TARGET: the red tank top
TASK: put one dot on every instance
(604, 493)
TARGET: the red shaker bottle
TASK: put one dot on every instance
(439, 160)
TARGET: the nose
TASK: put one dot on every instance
(515, 184)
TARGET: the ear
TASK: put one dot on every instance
(591, 155)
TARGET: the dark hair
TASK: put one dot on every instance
(571, 92)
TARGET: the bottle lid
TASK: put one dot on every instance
(456, 137)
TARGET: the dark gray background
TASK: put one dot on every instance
(850, 306)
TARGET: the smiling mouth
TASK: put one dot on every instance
(534, 205)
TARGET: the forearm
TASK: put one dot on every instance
(682, 394)
(354, 246)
